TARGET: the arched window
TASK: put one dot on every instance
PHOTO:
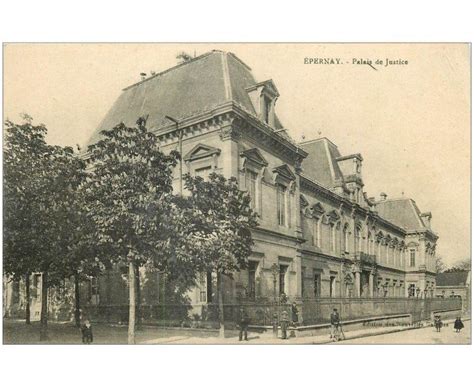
(358, 240)
(345, 238)
(369, 243)
(334, 229)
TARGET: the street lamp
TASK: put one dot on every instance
(274, 273)
(180, 146)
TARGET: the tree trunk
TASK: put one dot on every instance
(132, 303)
(77, 301)
(44, 307)
(138, 297)
(220, 299)
(27, 298)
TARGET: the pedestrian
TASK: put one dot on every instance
(86, 330)
(284, 321)
(438, 323)
(294, 314)
(458, 325)
(335, 323)
(244, 321)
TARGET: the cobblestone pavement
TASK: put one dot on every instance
(420, 336)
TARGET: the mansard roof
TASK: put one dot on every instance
(321, 162)
(451, 279)
(182, 91)
(402, 212)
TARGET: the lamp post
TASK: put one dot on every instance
(275, 272)
(180, 147)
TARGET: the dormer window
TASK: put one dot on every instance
(266, 108)
(263, 96)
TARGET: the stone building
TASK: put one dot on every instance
(455, 284)
(319, 233)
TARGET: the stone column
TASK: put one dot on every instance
(371, 284)
(357, 283)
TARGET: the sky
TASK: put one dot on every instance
(410, 122)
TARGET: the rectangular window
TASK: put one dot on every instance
(283, 269)
(412, 257)
(281, 204)
(317, 285)
(332, 285)
(203, 172)
(202, 287)
(316, 233)
(252, 270)
(303, 271)
(251, 185)
(267, 104)
(411, 289)
(333, 238)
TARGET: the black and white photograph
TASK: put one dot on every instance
(201, 193)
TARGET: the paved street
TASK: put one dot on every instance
(419, 336)
(16, 332)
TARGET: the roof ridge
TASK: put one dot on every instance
(207, 54)
(226, 76)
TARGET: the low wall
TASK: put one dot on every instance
(349, 325)
(318, 311)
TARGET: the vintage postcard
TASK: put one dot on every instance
(237, 193)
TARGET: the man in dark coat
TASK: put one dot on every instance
(244, 321)
(294, 314)
(335, 319)
(284, 321)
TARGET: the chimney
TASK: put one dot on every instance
(383, 196)
(143, 76)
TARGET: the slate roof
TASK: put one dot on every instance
(195, 86)
(402, 212)
(459, 278)
(320, 164)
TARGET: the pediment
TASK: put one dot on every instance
(201, 151)
(267, 86)
(284, 172)
(255, 156)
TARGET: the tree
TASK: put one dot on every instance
(129, 198)
(24, 177)
(184, 57)
(216, 221)
(461, 265)
(41, 182)
(440, 266)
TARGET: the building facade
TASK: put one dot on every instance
(319, 233)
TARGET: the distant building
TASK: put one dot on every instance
(455, 284)
(320, 235)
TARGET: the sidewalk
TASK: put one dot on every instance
(16, 332)
(268, 339)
